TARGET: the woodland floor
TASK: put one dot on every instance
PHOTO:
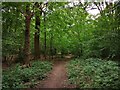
(57, 78)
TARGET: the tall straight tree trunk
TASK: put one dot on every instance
(36, 37)
(28, 15)
(38, 14)
(44, 37)
(27, 40)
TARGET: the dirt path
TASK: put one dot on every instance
(57, 78)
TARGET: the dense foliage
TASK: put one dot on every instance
(17, 77)
(94, 73)
(65, 29)
(42, 29)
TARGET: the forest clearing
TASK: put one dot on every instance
(69, 45)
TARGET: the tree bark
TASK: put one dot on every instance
(45, 39)
(37, 32)
(44, 36)
(28, 15)
(27, 40)
(36, 38)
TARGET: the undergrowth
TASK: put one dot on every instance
(94, 73)
(17, 77)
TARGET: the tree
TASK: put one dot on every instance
(38, 14)
(28, 15)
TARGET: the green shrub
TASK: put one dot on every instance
(94, 73)
(16, 76)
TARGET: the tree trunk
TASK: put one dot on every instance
(51, 45)
(44, 37)
(36, 38)
(27, 40)
(28, 15)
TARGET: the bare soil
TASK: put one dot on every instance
(57, 78)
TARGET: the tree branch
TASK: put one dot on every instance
(98, 7)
